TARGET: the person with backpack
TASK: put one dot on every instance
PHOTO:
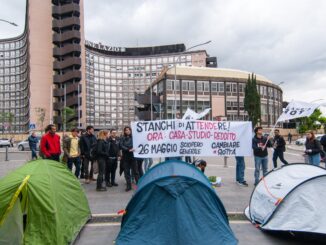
(128, 159)
(50, 144)
(71, 151)
(313, 148)
(102, 157)
(86, 142)
(32, 142)
(279, 148)
(114, 155)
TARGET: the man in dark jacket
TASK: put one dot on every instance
(259, 146)
(86, 142)
(323, 142)
(279, 148)
(113, 159)
(32, 141)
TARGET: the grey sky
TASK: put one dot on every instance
(282, 40)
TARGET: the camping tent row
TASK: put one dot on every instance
(41, 202)
(290, 198)
(175, 204)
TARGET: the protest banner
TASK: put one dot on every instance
(171, 138)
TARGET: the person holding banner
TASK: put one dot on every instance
(313, 148)
(128, 159)
(279, 148)
(259, 146)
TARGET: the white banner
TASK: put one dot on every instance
(171, 138)
(296, 109)
(192, 115)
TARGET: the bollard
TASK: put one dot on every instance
(225, 162)
(6, 154)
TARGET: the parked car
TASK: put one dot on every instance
(5, 142)
(302, 141)
(24, 146)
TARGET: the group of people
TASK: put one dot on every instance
(313, 151)
(86, 152)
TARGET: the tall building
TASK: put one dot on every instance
(51, 66)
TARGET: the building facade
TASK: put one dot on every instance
(222, 90)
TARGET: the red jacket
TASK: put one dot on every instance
(50, 144)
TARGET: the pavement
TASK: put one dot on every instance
(234, 197)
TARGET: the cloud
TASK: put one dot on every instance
(281, 40)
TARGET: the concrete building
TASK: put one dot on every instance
(221, 89)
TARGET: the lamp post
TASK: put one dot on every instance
(175, 74)
(11, 23)
(280, 83)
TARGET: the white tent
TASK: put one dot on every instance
(290, 198)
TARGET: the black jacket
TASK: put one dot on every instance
(114, 147)
(103, 148)
(86, 142)
(323, 141)
(126, 145)
(314, 146)
(256, 142)
(32, 141)
(279, 143)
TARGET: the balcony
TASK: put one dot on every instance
(58, 92)
(67, 49)
(71, 21)
(66, 36)
(65, 9)
(68, 62)
(70, 75)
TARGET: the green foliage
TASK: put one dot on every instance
(68, 115)
(313, 122)
(6, 118)
(252, 100)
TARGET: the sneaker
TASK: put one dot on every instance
(244, 183)
(87, 181)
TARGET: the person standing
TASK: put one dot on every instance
(72, 151)
(86, 143)
(128, 159)
(139, 162)
(240, 171)
(32, 142)
(289, 137)
(103, 149)
(323, 142)
(113, 159)
(313, 148)
(50, 144)
(259, 146)
(279, 148)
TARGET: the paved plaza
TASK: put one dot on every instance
(234, 197)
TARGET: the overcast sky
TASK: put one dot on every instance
(284, 41)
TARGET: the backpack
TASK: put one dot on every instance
(93, 151)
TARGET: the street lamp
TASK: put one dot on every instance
(175, 73)
(11, 23)
(280, 83)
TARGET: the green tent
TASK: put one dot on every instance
(41, 203)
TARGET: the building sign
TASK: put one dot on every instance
(171, 138)
(104, 47)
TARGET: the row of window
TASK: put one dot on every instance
(13, 45)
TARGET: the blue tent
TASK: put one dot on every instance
(175, 204)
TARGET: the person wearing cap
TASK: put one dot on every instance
(259, 146)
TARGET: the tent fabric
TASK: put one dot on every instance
(55, 204)
(175, 204)
(289, 198)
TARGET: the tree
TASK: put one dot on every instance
(41, 112)
(68, 115)
(313, 122)
(252, 100)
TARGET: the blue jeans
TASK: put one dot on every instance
(240, 167)
(260, 162)
(76, 162)
(314, 159)
(34, 155)
(147, 164)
